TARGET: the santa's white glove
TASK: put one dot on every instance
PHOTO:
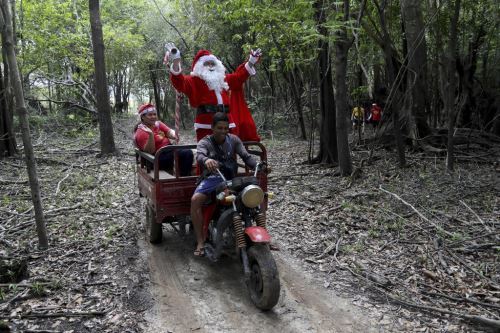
(145, 128)
(171, 53)
(255, 56)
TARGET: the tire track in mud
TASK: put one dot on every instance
(195, 295)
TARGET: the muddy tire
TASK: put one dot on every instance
(264, 283)
(155, 229)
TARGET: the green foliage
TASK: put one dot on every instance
(38, 289)
(112, 230)
(54, 36)
(6, 200)
(85, 182)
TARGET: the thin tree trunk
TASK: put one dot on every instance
(392, 65)
(342, 109)
(328, 133)
(449, 87)
(414, 31)
(103, 107)
(296, 89)
(154, 82)
(8, 146)
(24, 121)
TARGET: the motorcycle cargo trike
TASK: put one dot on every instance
(234, 217)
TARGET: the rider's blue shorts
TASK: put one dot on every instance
(208, 185)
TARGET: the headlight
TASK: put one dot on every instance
(252, 196)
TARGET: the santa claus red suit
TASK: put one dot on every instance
(210, 90)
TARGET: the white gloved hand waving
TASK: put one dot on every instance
(171, 53)
(255, 56)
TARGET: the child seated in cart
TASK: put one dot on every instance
(152, 134)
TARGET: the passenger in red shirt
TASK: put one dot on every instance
(151, 135)
(375, 115)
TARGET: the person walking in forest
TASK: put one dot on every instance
(209, 89)
(358, 118)
(152, 134)
(375, 115)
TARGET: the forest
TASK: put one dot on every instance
(73, 73)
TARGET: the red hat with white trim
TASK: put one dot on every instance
(146, 108)
(203, 55)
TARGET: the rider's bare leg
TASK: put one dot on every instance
(197, 201)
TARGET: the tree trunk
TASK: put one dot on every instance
(118, 91)
(127, 84)
(328, 133)
(342, 110)
(449, 84)
(296, 88)
(416, 74)
(392, 66)
(156, 90)
(6, 24)
(8, 146)
(102, 96)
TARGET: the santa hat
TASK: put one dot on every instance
(202, 56)
(146, 108)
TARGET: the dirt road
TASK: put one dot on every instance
(194, 295)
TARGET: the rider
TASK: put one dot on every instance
(216, 151)
(152, 134)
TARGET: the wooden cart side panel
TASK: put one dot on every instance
(174, 197)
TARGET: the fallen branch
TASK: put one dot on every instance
(374, 277)
(63, 314)
(475, 214)
(472, 318)
(64, 178)
(416, 211)
(24, 285)
(303, 204)
(460, 260)
(57, 210)
(15, 182)
(462, 299)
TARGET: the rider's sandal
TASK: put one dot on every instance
(199, 252)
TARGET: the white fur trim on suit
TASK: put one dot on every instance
(209, 57)
(251, 70)
(173, 71)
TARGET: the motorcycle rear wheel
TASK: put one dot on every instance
(155, 229)
(264, 283)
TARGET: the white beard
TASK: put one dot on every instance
(214, 79)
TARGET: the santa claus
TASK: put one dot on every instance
(209, 89)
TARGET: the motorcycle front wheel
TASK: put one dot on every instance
(264, 283)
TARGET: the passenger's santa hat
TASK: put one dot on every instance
(146, 108)
(202, 56)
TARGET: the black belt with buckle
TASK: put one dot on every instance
(212, 109)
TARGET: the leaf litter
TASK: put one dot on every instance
(418, 246)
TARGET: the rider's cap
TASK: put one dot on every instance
(146, 108)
